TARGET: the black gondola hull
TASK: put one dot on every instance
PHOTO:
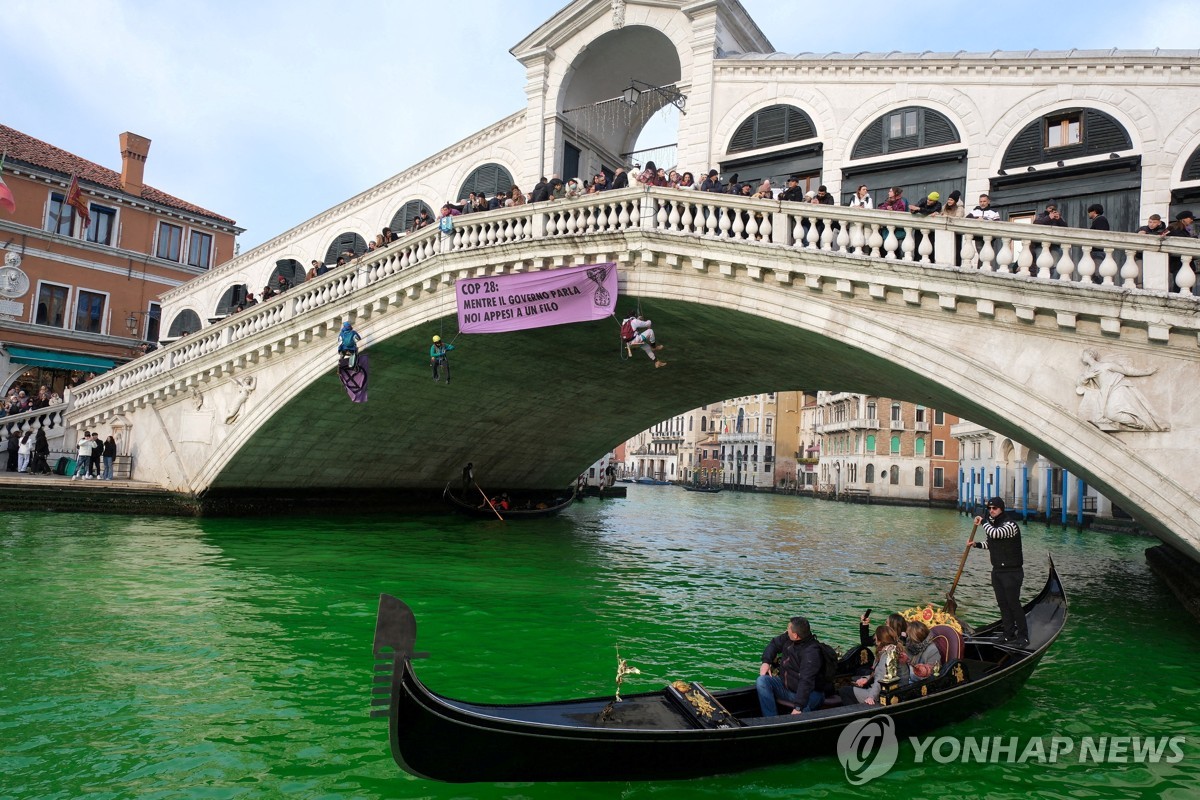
(448, 740)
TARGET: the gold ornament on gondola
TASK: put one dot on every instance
(623, 669)
(931, 615)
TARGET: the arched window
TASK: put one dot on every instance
(1191, 170)
(186, 321)
(870, 473)
(350, 243)
(870, 443)
(919, 476)
(230, 300)
(291, 270)
(1069, 133)
(402, 220)
(895, 476)
(741, 419)
(489, 179)
(919, 446)
(911, 128)
(772, 126)
(703, 424)
(895, 445)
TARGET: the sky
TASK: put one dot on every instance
(272, 111)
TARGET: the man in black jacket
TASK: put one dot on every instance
(1003, 543)
(800, 664)
(793, 193)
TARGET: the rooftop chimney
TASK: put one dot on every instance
(134, 149)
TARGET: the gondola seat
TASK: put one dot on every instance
(948, 641)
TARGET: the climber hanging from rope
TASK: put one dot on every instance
(437, 358)
(348, 346)
(636, 332)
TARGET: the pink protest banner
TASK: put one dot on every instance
(536, 299)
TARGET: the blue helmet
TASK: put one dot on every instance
(346, 326)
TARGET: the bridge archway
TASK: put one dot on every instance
(599, 125)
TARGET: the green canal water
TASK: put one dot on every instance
(178, 658)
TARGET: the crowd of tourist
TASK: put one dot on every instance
(18, 400)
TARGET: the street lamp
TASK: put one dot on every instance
(633, 94)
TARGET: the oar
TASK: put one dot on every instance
(951, 603)
(489, 502)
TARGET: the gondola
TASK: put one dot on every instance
(652, 482)
(701, 489)
(682, 731)
(486, 512)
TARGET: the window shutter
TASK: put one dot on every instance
(1191, 170)
(1026, 148)
(871, 141)
(1103, 134)
(938, 129)
(771, 126)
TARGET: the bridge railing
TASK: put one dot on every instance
(50, 418)
(1130, 261)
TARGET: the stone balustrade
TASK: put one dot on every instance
(1114, 261)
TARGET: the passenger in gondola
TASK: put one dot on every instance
(922, 655)
(501, 502)
(799, 656)
(887, 658)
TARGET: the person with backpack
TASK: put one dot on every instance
(636, 332)
(348, 345)
(802, 670)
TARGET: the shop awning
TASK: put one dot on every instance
(54, 360)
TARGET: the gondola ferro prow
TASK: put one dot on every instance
(395, 635)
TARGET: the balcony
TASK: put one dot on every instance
(896, 424)
(921, 427)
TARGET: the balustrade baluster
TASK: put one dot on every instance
(624, 219)
(661, 217)
(1025, 258)
(673, 217)
(710, 220)
(987, 255)
(826, 227)
(890, 243)
(909, 245)
(843, 237)
(925, 248)
(798, 231)
(1004, 258)
(739, 227)
(686, 219)
(589, 220)
(751, 227)
(1108, 267)
(614, 218)
(1045, 262)
(875, 241)
(1130, 271)
(1086, 267)
(764, 228)
(1185, 279)
(1065, 265)
(572, 222)
(724, 222)
(812, 236)
(967, 254)
(858, 241)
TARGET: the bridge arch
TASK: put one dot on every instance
(1131, 112)
(407, 212)
(956, 106)
(347, 242)
(185, 322)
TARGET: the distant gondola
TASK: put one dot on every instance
(485, 511)
(652, 482)
(681, 731)
(702, 489)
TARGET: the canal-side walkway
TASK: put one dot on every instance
(60, 493)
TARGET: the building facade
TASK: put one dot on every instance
(82, 282)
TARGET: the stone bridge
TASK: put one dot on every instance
(988, 321)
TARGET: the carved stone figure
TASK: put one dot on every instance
(197, 398)
(1110, 401)
(618, 13)
(244, 387)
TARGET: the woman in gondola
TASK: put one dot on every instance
(921, 654)
(867, 689)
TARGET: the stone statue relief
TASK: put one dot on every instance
(1110, 401)
(244, 387)
(618, 13)
(197, 398)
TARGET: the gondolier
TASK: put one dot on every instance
(1003, 543)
